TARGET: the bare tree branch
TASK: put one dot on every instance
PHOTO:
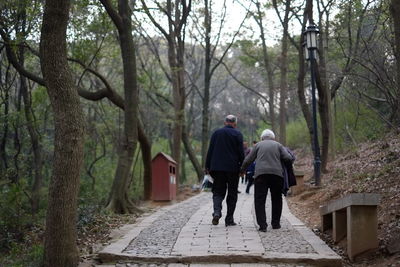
(116, 18)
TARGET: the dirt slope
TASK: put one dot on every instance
(373, 168)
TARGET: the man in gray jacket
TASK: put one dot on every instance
(268, 175)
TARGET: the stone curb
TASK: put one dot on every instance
(319, 246)
(294, 258)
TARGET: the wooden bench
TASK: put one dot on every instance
(354, 216)
(299, 187)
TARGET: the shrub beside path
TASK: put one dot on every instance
(182, 235)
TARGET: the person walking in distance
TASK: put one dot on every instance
(224, 158)
(268, 175)
(246, 151)
(250, 176)
(250, 172)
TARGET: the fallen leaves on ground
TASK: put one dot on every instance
(372, 168)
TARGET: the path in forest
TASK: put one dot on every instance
(182, 235)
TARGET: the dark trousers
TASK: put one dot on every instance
(261, 185)
(250, 181)
(222, 182)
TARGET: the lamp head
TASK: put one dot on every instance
(311, 36)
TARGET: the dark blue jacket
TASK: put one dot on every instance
(289, 179)
(251, 169)
(225, 152)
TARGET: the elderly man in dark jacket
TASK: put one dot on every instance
(224, 158)
(268, 175)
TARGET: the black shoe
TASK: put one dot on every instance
(215, 220)
(230, 224)
(276, 226)
(239, 192)
(263, 229)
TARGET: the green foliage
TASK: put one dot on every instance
(261, 127)
(15, 217)
(39, 97)
(251, 52)
(161, 145)
(22, 256)
(297, 135)
(89, 205)
(137, 177)
(356, 123)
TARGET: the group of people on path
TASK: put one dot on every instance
(226, 162)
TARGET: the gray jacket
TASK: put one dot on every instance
(268, 155)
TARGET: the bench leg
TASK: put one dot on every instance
(326, 222)
(362, 229)
(339, 225)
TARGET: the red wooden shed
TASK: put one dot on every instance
(164, 177)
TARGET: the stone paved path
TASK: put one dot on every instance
(182, 235)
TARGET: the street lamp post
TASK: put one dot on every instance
(311, 42)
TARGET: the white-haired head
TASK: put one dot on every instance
(267, 134)
(231, 118)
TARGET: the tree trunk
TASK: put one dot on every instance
(36, 148)
(175, 55)
(177, 12)
(145, 147)
(192, 155)
(119, 201)
(302, 73)
(395, 9)
(60, 236)
(17, 143)
(4, 138)
(323, 97)
(284, 82)
(33, 134)
(207, 80)
(268, 68)
(324, 118)
(332, 146)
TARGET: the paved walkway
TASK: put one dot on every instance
(182, 235)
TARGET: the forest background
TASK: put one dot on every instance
(90, 91)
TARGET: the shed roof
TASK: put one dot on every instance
(166, 156)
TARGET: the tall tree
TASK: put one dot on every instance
(284, 69)
(14, 20)
(328, 135)
(258, 17)
(324, 99)
(307, 13)
(176, 12)
(29, 116)
(211, 63)
(119, 201)
(60, 247)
